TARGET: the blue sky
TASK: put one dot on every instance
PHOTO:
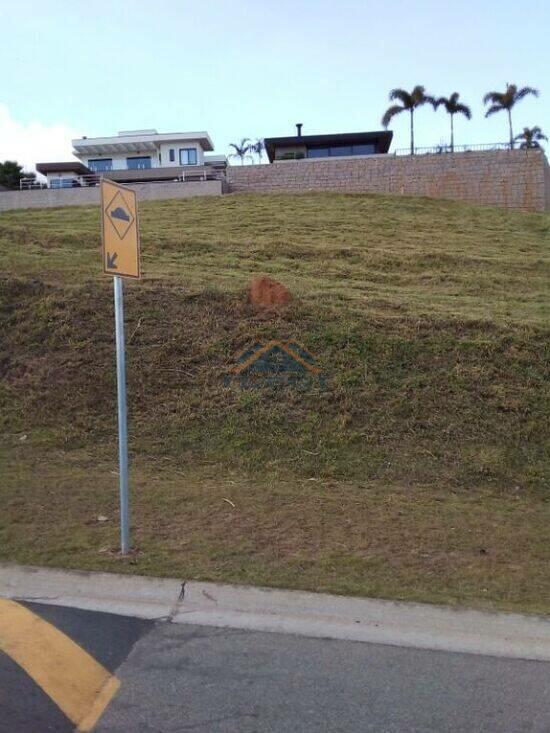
(238, 68)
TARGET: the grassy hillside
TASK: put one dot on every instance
(421, 468)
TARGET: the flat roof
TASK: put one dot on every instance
(71, 166)
(143, 141)
(382, 138)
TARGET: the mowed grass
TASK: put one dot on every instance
(419, 469)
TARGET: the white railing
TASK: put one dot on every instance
(26, 184)
(205, 173)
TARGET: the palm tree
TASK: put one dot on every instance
(453, 107)
(409, 102)
(505, 101)
(258, 147)
(241, 149)
(531, 137)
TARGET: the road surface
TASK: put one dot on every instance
(179, 678)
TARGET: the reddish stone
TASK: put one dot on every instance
(265, 292)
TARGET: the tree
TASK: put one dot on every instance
(258, 147)
(453, 107)
(11, 173)
(531, 137)
(410, 101)
(500, 101)
(241, 150)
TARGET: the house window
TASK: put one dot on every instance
(318, 152)
(367, 149)
(138, 162)
(188, 156)
(102, 164)
(172, 155)
(63, 182)
(335, 151)
(341, 150)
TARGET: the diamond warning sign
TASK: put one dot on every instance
(120, 230)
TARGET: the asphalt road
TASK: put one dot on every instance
(24, 706)
(177, 678)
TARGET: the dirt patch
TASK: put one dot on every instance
(267, 293)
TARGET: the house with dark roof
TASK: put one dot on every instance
(63, 175)
(321, 147)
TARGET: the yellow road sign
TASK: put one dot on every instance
(120, 229)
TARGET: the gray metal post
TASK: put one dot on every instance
(122, 420)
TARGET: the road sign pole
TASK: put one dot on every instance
(120, 254)
(122, 419)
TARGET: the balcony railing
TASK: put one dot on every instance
(443, 148)
(199, 173)
(26, 184)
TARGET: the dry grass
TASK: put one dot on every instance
(420, 471)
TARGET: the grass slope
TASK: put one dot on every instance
(421, 470)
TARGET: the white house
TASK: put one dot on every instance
(142, 149)
(136, 156)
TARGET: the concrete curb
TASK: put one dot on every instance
(127, 595)
(289, 612)
(360, 619)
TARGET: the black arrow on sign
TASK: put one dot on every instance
(111, 259)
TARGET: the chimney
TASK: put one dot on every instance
(299, 128)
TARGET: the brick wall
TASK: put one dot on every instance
(509, 178)
(48, 198)
(547, 183)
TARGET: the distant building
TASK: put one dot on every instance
(63, 175)
(338, 145)
(136, 156)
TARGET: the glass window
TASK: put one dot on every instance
(366, 149)
(188, 156)
(341, 150)
(318, 152)
(63, 182)
(172, 155)
(102, 164)
(138, 163)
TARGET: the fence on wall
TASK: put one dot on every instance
(444, 148)
(91, 180)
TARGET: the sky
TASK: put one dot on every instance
(238, 68)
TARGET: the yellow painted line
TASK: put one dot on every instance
(100, 703)
(77, 684)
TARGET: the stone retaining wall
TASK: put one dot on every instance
(516, 179)
(508, 178)
(49, 197)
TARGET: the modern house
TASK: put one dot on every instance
(63, 175)
(137, 156)
(341, 145)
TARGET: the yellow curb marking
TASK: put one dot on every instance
(77, 684)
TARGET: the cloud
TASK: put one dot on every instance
(34, 142)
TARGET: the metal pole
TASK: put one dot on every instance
(122, 420)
